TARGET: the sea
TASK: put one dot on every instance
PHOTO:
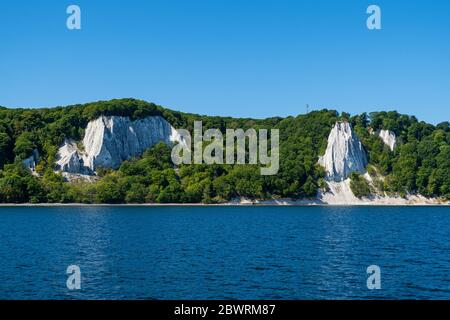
(224, 252)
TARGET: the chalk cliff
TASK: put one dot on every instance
(110, 140)
(388, 138)
(71, 160)
(31, 161)
(344, 153)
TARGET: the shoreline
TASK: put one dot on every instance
(375, 204)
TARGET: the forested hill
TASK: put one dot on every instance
(419, 164)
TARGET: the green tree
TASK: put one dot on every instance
(359, 185)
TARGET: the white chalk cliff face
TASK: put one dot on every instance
(30, 162)
(71, 160)
(388, 138)
(344, 153)
(110, 140)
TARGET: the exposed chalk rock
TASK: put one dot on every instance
(344, 153)
(388, 138)
(71, 160)
(31, 161)
(110, 140)
(338, 193)
(76, 177)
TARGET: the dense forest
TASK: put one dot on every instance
(419, 164)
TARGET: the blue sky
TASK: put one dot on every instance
(235, 57)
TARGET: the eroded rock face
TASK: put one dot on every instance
(344, 153)
(71, 160)
(31, 161)
(110, 140)
(388, 138)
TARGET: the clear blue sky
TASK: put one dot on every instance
(231, 57)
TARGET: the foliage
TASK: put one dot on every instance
(419, 164)
(359, 185)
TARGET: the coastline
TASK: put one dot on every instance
(246, 203)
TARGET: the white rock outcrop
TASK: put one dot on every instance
(31, 161)
(71, 160)
(110, 140)
(388, 138)
(344, 153)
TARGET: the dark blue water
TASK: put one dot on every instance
(225, 252)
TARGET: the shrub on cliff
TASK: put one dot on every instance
(359, 185)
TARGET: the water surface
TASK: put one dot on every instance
(225, 252)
